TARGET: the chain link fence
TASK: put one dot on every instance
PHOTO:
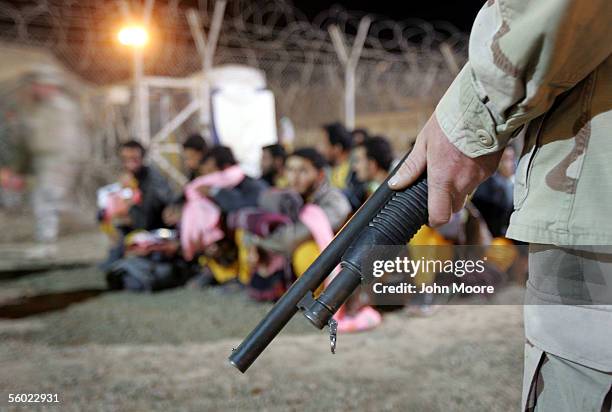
(405, 65)
(403, 69)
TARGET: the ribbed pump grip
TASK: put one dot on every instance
(404, 215)
(394, 224)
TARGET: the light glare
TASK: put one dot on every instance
(135, 36)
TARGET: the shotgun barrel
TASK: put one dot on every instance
(395, 224)
(386, 218)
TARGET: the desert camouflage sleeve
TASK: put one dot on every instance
(522, 55)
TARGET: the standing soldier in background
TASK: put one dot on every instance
(545, 66)
(13, 151)
(56, 141)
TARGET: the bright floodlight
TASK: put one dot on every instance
(135, 36)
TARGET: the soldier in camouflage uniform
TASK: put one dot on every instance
(542, 66)
(56, 141)
(14, 159)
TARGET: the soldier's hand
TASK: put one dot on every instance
(451, 175)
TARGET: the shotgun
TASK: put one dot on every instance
(387, 218)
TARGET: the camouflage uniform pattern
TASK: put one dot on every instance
(13, 150)
(544, 67)
(568, 322)
(14, 154)
(56, 140)
(560, 385)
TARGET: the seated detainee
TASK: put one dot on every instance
(273, 159)
(155, 190)
(336, 148)
(305, 171)
(139, 204)
(265, 274)
(151, 263)
(229, 197)
(194, 151)
(269, 273)
(371, 162)
(359, 136)
(223, 188)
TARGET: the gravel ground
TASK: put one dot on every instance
(170, 317)
(167, 351)
(21, 222)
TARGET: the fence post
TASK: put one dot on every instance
(206, 50)
(349, 63)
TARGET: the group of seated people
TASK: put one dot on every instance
(240, 232)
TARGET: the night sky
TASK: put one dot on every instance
(459, 12)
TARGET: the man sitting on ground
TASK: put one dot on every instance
(146, 193)
(359, 136)
(371, 162)
(221, 189)
(272, 165)
(305, 171)
(194, 151)
(336, 149)
(244, 194)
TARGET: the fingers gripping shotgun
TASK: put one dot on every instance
(386, 218)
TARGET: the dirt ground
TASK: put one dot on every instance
(168, 351)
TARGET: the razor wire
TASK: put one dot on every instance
(401, 60)
(404, 67)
